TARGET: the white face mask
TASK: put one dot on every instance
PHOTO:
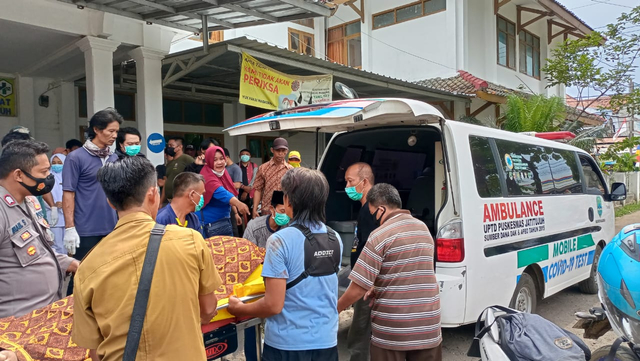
(219, 174)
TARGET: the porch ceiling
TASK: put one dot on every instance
(220, 14)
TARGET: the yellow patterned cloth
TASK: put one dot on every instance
(45, 333)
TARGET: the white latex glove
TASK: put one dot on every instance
(53, 217)
(71, 240)
(51, 235)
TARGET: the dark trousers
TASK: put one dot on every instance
(359, 337)
(86, 244)
(250, 350)
(274, 354)
(429, 354)
(234, 223)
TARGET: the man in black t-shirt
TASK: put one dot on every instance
(360, 179)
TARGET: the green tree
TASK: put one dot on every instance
(601, 63)
(620, 153)
(535, 113)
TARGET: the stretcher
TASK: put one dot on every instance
(221, 335)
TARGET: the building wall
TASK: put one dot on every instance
(54, 124)
(481, 44)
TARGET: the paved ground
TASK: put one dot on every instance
(559, 308)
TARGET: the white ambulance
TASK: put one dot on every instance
(515, 218)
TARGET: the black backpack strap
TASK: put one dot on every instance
(309, 238)
(334, 238)
(142, 294)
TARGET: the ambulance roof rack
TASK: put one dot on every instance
(562, 136)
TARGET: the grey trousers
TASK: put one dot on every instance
(359, 337)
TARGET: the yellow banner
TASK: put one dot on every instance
(264, 87)
(7, 97)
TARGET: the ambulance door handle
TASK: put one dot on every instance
(591, 214)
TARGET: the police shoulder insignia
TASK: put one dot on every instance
(8, 199)
(25, 236)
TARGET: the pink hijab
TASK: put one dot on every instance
(212, 181)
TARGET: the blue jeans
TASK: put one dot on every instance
(220, 227)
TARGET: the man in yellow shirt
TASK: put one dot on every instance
(182, 291)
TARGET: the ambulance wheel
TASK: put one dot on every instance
(525, 297)
(622, 354)
(590, 285)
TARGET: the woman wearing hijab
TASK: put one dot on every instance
(219, 196)
(57, 227)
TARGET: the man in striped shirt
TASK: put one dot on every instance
(396, 270)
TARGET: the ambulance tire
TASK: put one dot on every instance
(525, 297)
(622, 354)
(590, 285)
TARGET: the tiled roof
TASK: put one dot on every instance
(466, 83)
(603, 102)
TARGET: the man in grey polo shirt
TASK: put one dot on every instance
(87, 214)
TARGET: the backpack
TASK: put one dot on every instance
(321, 254)
(529, 337)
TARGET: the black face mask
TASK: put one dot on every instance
(375, 216)
(43, 185)
(170, 152)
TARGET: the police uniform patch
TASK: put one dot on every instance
(36, 205)
(16, 227)
(8, 199)
(31, 250)
(25, 236)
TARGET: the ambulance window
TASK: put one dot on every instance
(592, 180)
(535, 170)
(526, 172)
(563, 167)
(484, 168)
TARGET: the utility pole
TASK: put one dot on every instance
(632, 115)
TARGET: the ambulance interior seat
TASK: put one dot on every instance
(422, 197)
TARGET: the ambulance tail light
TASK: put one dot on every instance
(450, 242)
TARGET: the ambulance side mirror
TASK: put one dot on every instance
(618, 192)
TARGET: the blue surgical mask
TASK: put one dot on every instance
(200, 202)
(281, 219)
(353, 194)
(132, 150)
(245, 158)
(56, 168)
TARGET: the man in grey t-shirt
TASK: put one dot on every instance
(261, 228)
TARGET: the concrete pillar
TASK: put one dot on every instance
(98, 60)
(27, 105)
(149, 97)
(229, 119)
(67, 112)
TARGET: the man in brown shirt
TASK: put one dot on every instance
(184, 280)
(269, 176)
(396, 270)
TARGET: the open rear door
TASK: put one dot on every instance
(343, 115)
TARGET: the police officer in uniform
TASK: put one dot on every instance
(31, 273)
